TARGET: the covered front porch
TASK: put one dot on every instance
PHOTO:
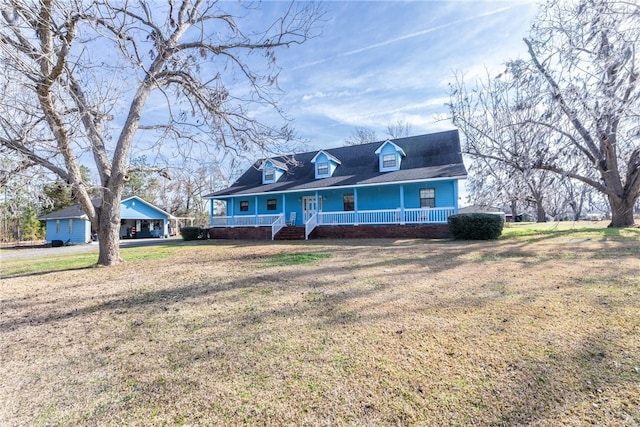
(382, 205)
(312, 219)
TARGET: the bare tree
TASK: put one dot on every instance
(361, 135)
(101, 80)
(581, 95)
(494, 117)
(399, 129)
(587, 54)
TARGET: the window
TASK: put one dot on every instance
(427, 197)
(347, 200)
(269, 175)
(323, 168)
(70, 226)
(389, 161)
(272, 204)
(244, 206)
(57, 226)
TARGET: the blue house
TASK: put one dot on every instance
(139, 219)
(405, 187)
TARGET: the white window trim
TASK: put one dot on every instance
(387, 158)
(323, 165)
(269, 172)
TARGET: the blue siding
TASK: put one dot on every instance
(445, 193)
(333, 200)
(80, 230)
(368, 198)
(383, 197)
(135, 209)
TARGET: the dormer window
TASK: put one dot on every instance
(323, 168)
(269, 175)
(389, 161)
(390, 156)
(272, 170)
(325, 164)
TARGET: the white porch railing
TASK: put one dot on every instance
(275, 221)
(246, 220)
(387, 216)
(384, 216)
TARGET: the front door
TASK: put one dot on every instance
(309, 206)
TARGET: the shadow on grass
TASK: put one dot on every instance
(539, 235)
(542, 384)
(435, 259)
(586, 379)
(45, 272)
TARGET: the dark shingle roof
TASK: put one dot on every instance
(74, 211)
(430, 156)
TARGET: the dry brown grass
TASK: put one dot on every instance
(538, 332)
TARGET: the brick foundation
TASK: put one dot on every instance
(241, 233)
(424, 231)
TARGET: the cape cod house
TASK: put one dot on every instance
(139, 219)
(405, 187)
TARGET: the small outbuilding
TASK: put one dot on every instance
(139, 219)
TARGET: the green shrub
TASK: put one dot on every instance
(193, 233)
(476, 226)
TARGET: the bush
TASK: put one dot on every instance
(194, 233)
(476, 226)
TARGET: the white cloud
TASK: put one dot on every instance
(404, 37)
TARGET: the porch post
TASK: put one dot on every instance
(355, 204)
(455, 196)
(231, 222)
(284, 207)
(211, 213)
(317, 207)
(256, 210)
(402, 204)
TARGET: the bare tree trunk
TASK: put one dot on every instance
(540, 213)
(577, 206)
(109, 230)
(621, 212)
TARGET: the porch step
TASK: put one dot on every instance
(290, 233)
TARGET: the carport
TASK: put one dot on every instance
(141, 219)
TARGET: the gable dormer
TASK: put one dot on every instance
(324, 164)
(389, 156)
(272, 170)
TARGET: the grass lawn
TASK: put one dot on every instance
(541, 327)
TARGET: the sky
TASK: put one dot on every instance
(373, 64)
(378, 62)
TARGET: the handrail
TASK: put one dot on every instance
(310, 225)
(277, 225)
